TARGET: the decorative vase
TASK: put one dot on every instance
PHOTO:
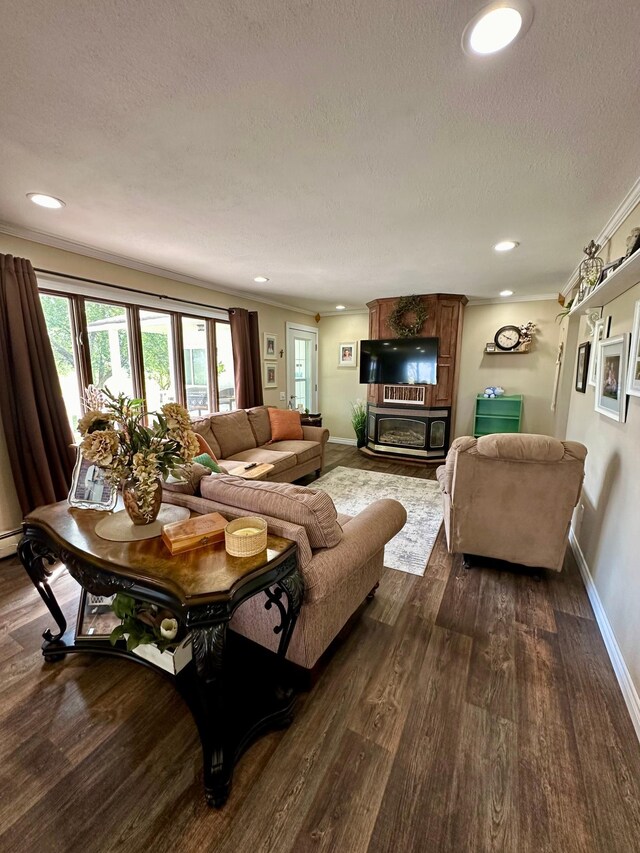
(361, 439)
(132, 500)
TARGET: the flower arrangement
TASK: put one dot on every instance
(115, 436)
(142, 623)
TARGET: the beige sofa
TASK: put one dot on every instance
(244, 436)
(341, 558)
(511, 496)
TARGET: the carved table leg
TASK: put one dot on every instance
(210, 711)
(33, 555)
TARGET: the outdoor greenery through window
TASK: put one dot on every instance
(95, 342)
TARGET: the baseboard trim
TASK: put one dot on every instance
(9, 543)
(333, 439)
(629, 692)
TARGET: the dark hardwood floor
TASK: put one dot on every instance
(466, 711)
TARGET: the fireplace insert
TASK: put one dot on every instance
(420, 431)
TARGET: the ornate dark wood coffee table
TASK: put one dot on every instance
(203, 588)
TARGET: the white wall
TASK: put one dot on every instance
(339, 386)
(530, 374)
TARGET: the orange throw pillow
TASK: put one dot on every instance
(204, 447)
(285, 425)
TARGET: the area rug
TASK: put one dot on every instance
(352, 489)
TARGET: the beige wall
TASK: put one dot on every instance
(530, 374)
(611, 495)
(339, 386)
(271, 319)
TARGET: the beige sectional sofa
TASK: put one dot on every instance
(340, 557)
(244, 436)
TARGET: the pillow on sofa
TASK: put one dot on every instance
(202, 426)
(285, 425)
(313, 510)
(205, 448)
(233, 432)
(189, 483)
(206, 460)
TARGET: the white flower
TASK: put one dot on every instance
(169, 628)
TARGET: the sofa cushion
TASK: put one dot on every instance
(233, 432)
(280, 461)
(312, 510)
(205, 447)
(202, 427)
(304, 450)
(260, 424)
(187, 482)
(285, 424)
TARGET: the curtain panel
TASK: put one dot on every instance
(245, 340)
(34, 418)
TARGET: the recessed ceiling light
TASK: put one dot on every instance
(45, 200)
(340, 307)
(506, 293)
(261, 279)
(496, 26)
(506, 246)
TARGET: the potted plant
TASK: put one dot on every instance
(359, 422)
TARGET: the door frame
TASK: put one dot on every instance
(291, 327)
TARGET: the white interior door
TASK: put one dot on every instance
(302, 367)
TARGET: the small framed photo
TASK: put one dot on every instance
(90, 488)
(633, 377)
(96, 619)
(600, 331)
(270, 345)
(582, 367)
(348, 354)
(490, 347)
(270, 374)
(611, 396)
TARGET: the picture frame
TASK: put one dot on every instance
(490, 347)
(96, 620)
(633, 376)
(611, 395)
(270, 345)
(582, 367)
(89, 487)
(348, 354)
(270, 374)
(600, 332)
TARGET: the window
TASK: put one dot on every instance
(57, 315)
(162, 355)
(108, 333)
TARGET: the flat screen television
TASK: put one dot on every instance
(399, 361)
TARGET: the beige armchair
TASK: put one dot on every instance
(511, 497)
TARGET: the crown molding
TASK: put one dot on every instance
(631, 200)
(347, 312)
(130, 263)
(500, 300)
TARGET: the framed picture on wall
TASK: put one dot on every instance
(582, 366)
(600, 331)
(633, 377)
(270, 374)
(270, 345)
(611, 395)
(348, 354)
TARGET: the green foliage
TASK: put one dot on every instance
(359, 418)
(139, 621)
(155, 354)
(56, 315)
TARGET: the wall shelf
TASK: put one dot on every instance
(614, 285)
(506, 352)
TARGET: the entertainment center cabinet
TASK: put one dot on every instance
(415, 421)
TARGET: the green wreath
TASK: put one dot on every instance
(407, 305)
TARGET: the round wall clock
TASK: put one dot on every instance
(507, 338)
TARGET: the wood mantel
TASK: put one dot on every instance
(444, 321)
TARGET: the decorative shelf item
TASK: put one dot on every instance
(497, 414)
(491, 349)
(616, 283)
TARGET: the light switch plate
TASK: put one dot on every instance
(283, 395)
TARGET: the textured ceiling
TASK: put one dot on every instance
(347, 150)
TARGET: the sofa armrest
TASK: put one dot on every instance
(363, 537)
(319, 434)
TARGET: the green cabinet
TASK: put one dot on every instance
(497, 414)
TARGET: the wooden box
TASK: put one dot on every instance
(194, 532)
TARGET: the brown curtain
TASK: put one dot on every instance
(245, 340)
(31, 406)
